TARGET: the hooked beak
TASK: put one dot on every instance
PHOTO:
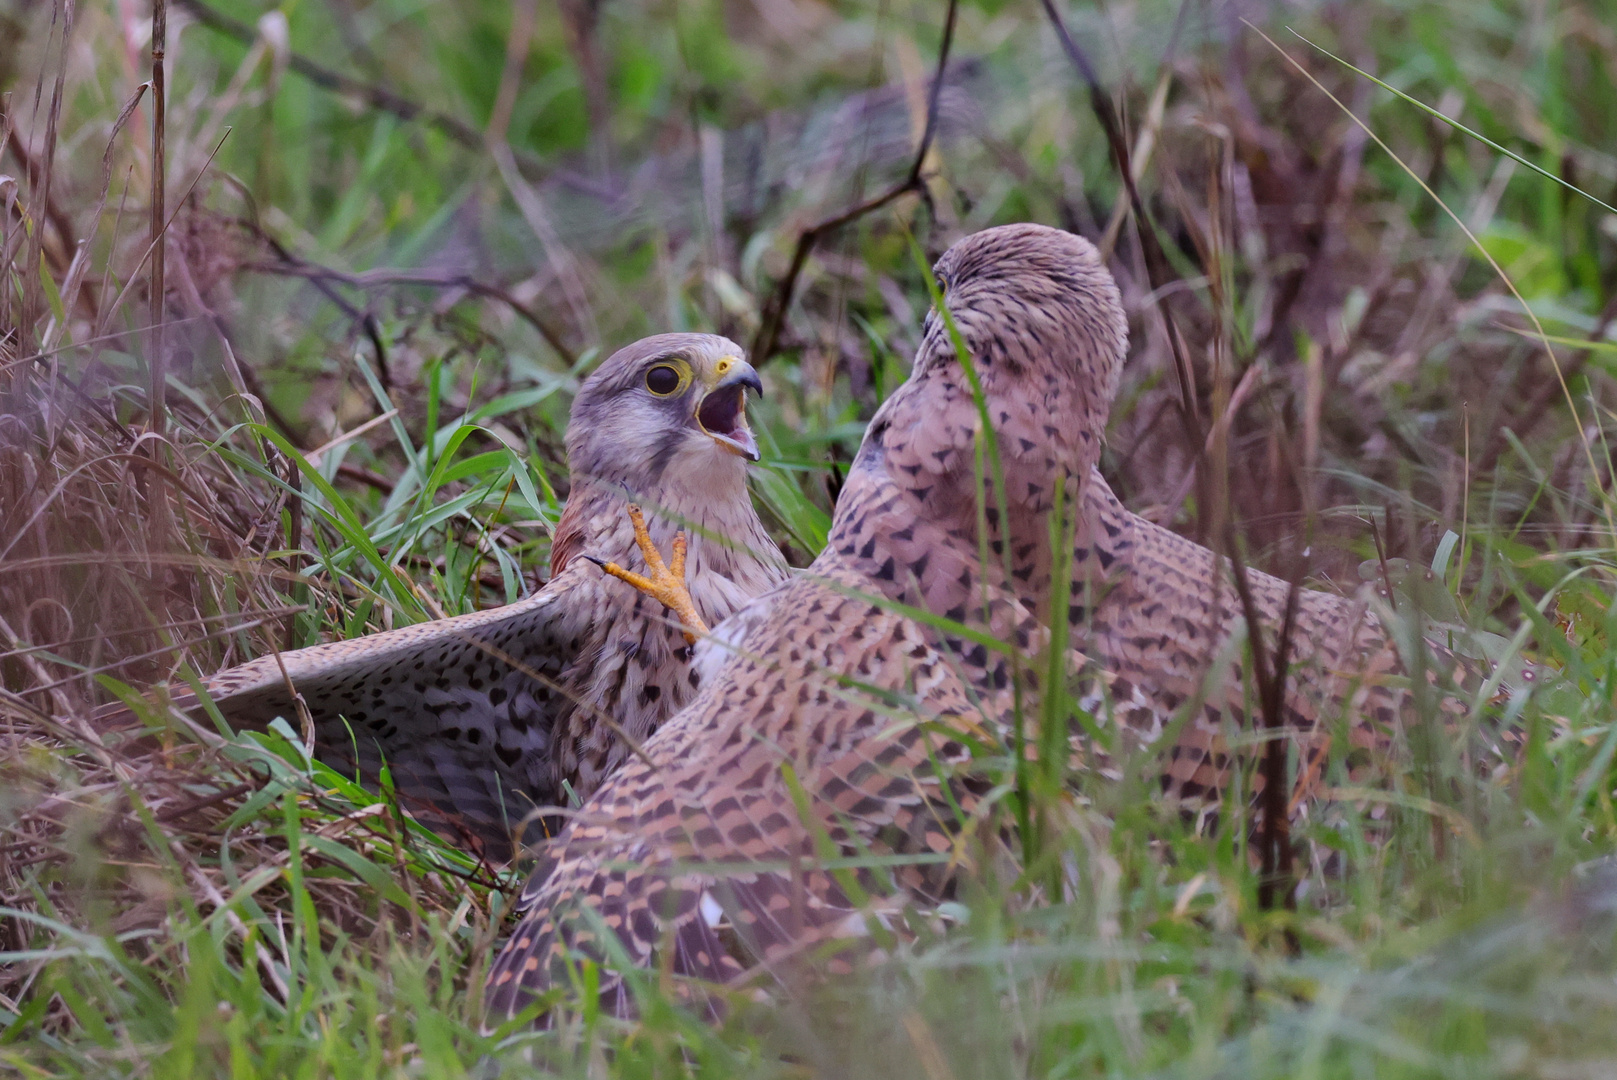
(722, 415)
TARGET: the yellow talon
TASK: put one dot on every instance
(663, 582)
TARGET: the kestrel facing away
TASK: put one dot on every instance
(484, 717)
(820, 780)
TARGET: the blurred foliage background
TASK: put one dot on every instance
(397, 235)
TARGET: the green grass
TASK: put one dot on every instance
(1459, 916)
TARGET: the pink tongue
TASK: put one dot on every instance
(743, 438)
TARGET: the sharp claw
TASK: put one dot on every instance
(663, 581)
(677, 567)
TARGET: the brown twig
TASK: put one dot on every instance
(365, 320)
(175, 813)
(293, 266)
(366, 477)
(1158, 271)
(377, 97)
(54, 213)
(1274, 842)
(1270, 672)
(158, 370)
(774, 315)
(34, 248)
(524, 15)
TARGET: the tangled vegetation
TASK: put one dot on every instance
(393, 236)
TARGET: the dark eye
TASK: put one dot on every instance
(943, 282)
(662, 380)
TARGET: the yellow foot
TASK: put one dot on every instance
(664, 582)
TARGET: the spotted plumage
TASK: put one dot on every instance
(486, 717)
(820, 783)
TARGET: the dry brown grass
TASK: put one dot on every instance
(123, 553)
(129, 558)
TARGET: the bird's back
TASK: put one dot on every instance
(828, 736)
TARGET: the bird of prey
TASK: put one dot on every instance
(482, 718)
(821, 781)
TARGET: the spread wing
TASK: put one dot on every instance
(461, 710)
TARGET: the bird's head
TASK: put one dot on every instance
(673, 405)
(1043, 322)
(1044, 332)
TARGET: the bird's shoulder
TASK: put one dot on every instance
(830, 692)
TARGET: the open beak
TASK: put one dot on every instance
(722, 415)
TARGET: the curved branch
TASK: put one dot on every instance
(774, 314)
